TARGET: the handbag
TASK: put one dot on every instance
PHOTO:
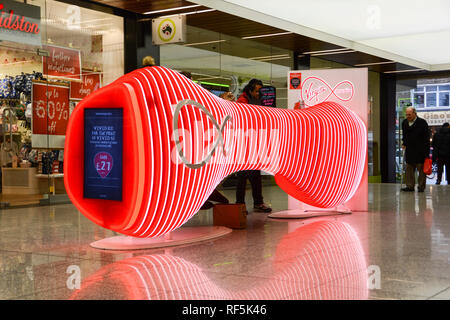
(427, 166)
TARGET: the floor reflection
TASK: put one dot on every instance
(320, 260)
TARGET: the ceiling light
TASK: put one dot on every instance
(272, 59)
(172, 9)
(374, 63)
(266, 35)
(198, 11)
(398, 71)
(185, 13)
(324, 51)
(267, 57)
(329, 53)
(201, 43)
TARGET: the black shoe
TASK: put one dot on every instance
(421, 190)
(407, 189)
(207, 205)
(218, 197)
(262, 208)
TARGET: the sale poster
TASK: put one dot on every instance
(50, 103)
(62, 63)
(90, 82)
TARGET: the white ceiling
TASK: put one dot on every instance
(413, 32)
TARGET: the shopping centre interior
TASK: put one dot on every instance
(394, 249)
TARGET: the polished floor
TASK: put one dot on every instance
(400, 249)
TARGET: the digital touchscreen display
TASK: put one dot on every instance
(103, 135)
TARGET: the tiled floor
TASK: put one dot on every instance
(400, 249)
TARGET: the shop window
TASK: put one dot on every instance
(32, 120)
(419, 100)
(444, 99)
(431, 99)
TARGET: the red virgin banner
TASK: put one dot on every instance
(50, 114)
(62, 63)
(90, 82)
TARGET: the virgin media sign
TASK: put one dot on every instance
(316, 90)
(20, 22)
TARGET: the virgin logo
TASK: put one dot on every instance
(17, 22)
(316, 90)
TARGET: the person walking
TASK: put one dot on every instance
(416, 143)
(441, 152)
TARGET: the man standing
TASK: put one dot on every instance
(441, 152)
(251, 96)
(416, 143)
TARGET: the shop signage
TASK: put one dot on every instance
(315, 90)
(90, 81)
(50, 114)
(62, 63)
(435, 118)
(169, 30)
(20, 22)
(348, 87)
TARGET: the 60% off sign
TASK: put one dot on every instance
(50, 109)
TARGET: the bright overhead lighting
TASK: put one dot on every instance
(325, 51)
(199, 11)
(272, 59)
(188, 13)
(172, 9)
(374, 63)
(201, 43)
(268, 57)
(398, 71)
(329, 53)
(266, 35)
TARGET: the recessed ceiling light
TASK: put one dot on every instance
(374, 63)
(330, 53)
(325, 51)
(267, 35)
(205, 42)
(172, 9)
(268, 57)
(398, 71)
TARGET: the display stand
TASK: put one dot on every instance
(303, 214)
(182, 236)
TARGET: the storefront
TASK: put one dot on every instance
(52, 55)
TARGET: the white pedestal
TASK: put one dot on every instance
(302, 214)
(178, 237)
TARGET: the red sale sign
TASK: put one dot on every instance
(50, 114)
(62, 63)
(91, 81)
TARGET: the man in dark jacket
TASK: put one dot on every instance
(441, 152)
(416, 143)
(251, 96)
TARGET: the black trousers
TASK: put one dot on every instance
(255, 180)
(441, 162)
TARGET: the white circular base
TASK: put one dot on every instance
(175, 238)
(302, 214)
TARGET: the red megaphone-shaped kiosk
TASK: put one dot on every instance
(143, 153)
